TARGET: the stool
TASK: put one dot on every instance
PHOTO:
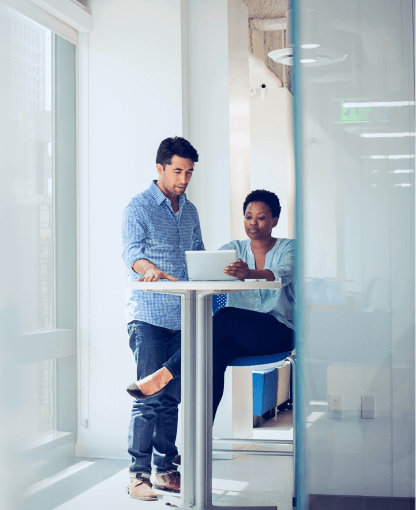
(264, 394)
(218, 302)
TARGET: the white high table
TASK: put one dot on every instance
(196, 367)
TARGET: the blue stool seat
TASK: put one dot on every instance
(249, 361)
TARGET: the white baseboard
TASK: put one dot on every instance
(101, 453)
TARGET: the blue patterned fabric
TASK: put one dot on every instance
(152, 231)
(280, 261)
(218, 302)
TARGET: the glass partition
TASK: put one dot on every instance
(38, 255)
(355, 156)
(39, 400)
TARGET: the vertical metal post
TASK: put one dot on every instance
(208, 436)
(293, 397)
(188, 376)
(203, 493)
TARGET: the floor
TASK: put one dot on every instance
(246, 480)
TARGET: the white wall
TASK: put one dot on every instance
(134, 91)
(209, 111)
(271, 144)
(239, 113)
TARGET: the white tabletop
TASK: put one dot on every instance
(197, 285)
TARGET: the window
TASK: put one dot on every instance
(33, 188)
(38, 231)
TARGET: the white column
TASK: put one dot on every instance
(219, 115)
(217, 88)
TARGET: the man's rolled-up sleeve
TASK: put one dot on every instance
(284, 271)
(133, 236)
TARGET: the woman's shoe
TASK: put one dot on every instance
(133, 390)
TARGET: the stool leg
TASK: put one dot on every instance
(292, 396)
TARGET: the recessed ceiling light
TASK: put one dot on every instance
(378, 103)
(386, 135)
(318, 57)
(322, 57)
(392, 156)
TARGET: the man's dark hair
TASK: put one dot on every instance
(269, 198)
(175, 146)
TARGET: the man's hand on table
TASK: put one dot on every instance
(150, 272)
(238, 269)
(153, 275)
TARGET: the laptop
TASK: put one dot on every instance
(210, 265)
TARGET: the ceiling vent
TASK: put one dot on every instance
(312, 54)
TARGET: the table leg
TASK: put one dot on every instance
(203, 493)
(208, 363)
(188, 414)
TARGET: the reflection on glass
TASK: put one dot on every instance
(38, 381)
(32, 188)
(357, 234)
(378, 104)
(392, 156)
(386, 135)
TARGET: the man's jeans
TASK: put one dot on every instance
(154, 421)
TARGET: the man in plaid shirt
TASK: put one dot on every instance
(159, 225)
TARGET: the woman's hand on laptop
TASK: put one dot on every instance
(238, 269)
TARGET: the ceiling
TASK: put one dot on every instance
(267, 9)
(263, 36)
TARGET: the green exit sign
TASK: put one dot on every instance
(355, 111)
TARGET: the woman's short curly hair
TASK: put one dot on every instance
(268, 197)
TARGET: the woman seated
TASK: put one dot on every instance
(254, 322)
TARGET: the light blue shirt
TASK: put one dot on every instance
(280, 261)
(152, 231)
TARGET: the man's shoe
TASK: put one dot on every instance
(169, 481)
(177, 461)
(141, 488)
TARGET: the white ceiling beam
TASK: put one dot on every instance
(70, 12)
(265, 25)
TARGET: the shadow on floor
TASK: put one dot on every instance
(70, 487)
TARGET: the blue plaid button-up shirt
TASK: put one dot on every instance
(152, 231)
